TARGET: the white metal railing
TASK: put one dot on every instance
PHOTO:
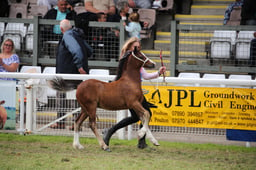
(30, 93)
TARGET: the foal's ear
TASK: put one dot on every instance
(135, 49)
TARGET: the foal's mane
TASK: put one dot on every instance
(122, 64)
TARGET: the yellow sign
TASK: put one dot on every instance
(202, 107)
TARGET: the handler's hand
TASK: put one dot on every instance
(81, 71)
(162, 70)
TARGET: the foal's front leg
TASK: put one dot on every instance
(145, 129)
(93, 126)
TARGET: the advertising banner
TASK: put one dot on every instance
(7, 105)
(202, 107)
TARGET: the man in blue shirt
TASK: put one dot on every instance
(60, 12)
(72, 58)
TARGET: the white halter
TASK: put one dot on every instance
(144, 61)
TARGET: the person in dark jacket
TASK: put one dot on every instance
(253, 51)
(248, 13)
(72, 58)
(63, 10)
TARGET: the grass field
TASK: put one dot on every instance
(34, 152)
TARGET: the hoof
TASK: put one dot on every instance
(107, 150)
(78, 147)
(156, 143)
(105, 136)
(142, 146)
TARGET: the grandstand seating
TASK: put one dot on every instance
(221, 44)
(50, 70)
(168, 7)
(239, 77)
(34, 2)
(147, 15)
(2, 28)
(19, 1)
(213, 76)
(242, 45)
(188, 75)
(31, 69)
(99, 72)
(16, 32)
(18, 10)
(36, 10)
(29, 38)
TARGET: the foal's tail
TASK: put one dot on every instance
(59, 84)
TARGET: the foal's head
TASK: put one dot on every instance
(142, 59)
(136, 58)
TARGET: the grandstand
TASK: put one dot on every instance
(195, 42)
(195, 37)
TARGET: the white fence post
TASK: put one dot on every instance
(129, 134)
(34, 104)
(21, 94)
(29, 106)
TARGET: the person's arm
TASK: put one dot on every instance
(12, 67)
(227, 14)
(129, 27)
(82, 71)
(89, 7)
(131, 4)
(75, 49)
(147, 76)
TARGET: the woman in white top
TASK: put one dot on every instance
(9, 61)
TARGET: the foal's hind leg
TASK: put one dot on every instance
(79, 120)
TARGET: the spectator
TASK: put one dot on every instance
(134, 26)
(253, 51)
(48, 3)
(9, 61)
(108, 39)
(52, 3)
(59, 13)
(107, 133)
(159, 4)
(101, 6)
(140, 3)
(123, 13)
(97, 40)
(102, 31)
(248, 13)
(237, 3)
(123, 10)
(72, 58)
(4, 8)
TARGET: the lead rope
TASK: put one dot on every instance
(162, 64)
